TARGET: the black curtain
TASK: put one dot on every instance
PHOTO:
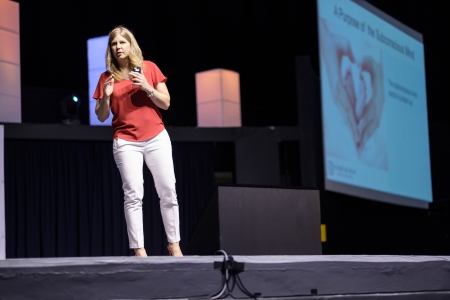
(65, 198)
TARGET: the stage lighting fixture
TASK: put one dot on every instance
(69, 109)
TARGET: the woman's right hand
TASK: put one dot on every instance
(108, 86)
(102, 107)
(333, 48)
(371, 116)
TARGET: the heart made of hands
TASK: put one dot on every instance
(358, 85)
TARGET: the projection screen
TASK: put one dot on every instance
(374, 105)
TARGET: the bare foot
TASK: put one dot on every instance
(174, 249)
(140, 252)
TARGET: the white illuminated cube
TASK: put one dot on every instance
(10, 94)
(218, 98)
(96, 66)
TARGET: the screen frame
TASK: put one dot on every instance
(353, 190)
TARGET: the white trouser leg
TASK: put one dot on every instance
(158, 157)
(157, 153)
(129, 160)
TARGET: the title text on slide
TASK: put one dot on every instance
(373, 32)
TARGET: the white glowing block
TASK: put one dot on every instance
(96, 66)
(218, 98)
(10, 95)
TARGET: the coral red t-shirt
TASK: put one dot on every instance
(136, 117)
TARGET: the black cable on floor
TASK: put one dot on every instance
(231, 269)
(224, 276)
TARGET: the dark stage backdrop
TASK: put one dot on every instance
(65, 198)
(259, 39)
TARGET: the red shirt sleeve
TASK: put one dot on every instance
(156, 74)
(98, 94)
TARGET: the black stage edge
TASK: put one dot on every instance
(296, 277)
(255, 220)
(177, 134)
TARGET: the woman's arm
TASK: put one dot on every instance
(103, 105)
(159, 95)
(103, 108)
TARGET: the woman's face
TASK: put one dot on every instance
(120, 47)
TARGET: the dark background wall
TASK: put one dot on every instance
(258, 39)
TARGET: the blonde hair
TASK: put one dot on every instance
(135, 57)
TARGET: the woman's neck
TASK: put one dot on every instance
(123, 64)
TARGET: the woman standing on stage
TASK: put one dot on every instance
(134, 89)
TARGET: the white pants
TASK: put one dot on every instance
(157, 153)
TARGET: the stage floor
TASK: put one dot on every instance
(302, 277)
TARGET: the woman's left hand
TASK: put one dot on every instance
(140, 81)
(159, 94)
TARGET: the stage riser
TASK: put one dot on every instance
(349, 277)
(259, 221)
(396, 296)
